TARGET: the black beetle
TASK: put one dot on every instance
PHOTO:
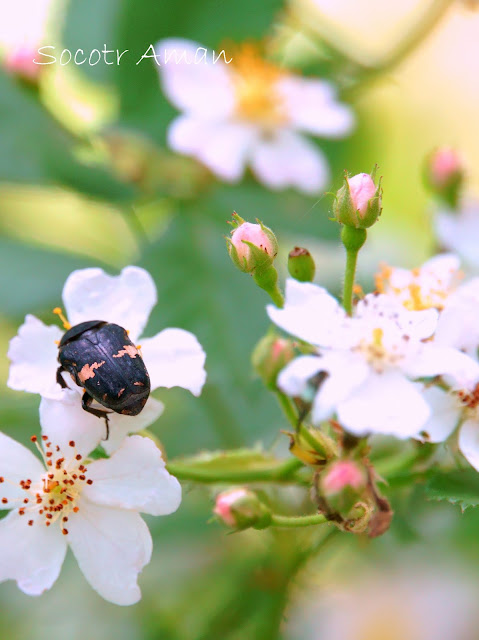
(101, 358)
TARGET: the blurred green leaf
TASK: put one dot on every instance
(457, 487)
(36, 150)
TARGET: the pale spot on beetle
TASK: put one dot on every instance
(88, 370)
(139, 384)
(121, 391)
(128, 350)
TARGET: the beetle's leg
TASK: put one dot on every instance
(99, 413)
(60, 379)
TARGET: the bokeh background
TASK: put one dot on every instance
(86, 180)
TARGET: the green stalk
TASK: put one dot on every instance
(291, 522)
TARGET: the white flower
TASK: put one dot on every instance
(91, 507)
(458, 231)
(370, 359)
(428, 286)
(249, 112)
(173, 357)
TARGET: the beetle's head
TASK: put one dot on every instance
(135, 406)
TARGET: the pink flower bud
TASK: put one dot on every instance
(444, 166)
(257, 235)
(19, 62)
(341, 475)
(362, 189)
(225, 501)
(241, 508)
(270, 355)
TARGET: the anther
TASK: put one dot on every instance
(89, 481)
(65, 532)
(4, 501)
(30, 523)
(58, 312)
(44, 438)
(78, 457)
(34, 438)
(72, 443)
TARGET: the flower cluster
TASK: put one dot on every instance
(405, 363)
(91, 505)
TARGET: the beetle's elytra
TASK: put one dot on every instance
(101, 358)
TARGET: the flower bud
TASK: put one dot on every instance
(312, 446)
(241, 509)
(301, 265)
(358, 202)
(252, 247)
(445, 174)
(19, 62)
(342, 485)
(270, 355)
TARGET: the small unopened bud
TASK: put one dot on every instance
(312, 446)
(342, 485)
(252, 247)
(301, 265)
(19, 62)
(445, 174)
(358, 202)
(241, 509)
(270, 356)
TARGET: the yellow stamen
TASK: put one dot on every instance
(255, 81)
(58, 312)
(378, 337)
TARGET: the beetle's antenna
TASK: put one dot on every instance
(58, 312)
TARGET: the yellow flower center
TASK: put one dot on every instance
(424, 291)
(55, 496)
(257, 98)
(376, 353)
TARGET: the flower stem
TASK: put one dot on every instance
(297, 521)
(287, 406)
(352, 239)
(267, 279)
(282, 472)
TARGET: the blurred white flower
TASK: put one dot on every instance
(423, 288)
(370, 360)
(93, 508)
(418, 601)
(249, 112)
(172, 357)
(458, 231)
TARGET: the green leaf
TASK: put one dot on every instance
(457, 487)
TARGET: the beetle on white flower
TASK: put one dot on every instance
(91, 506)
(370, 360)
(173, 357)
(249, 112)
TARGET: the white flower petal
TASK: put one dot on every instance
(222, 146)
(293, 379)
(385, 403)
(445, 412)
(469, 442)
(202, 88)
(33, 556)
(432, 360)
(287, 159)
(346, 372)
(134, 478)
(175, 358)
(111, 546)
(457, 325)
(312, 107)
(16, 463)
(33, 353)
(65, 420)
(310, 313)
(126, 299)
(458, 232)
(121, 426)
